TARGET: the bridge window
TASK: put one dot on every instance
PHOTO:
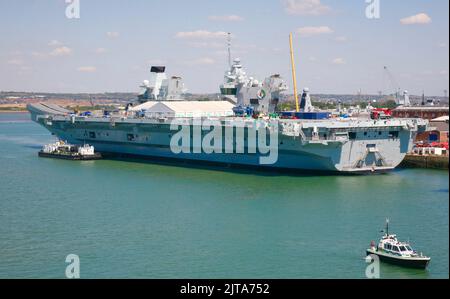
(130, 137)
(92, 135)
(352, 135)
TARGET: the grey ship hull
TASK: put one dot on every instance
(348, 147)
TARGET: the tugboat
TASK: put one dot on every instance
(63, 150)
(392, 251)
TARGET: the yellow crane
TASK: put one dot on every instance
(294, 78)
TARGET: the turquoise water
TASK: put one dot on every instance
(140, 220)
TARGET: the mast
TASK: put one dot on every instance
(294, 78)
(229, 49)
(387, 227)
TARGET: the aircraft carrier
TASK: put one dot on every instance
(307, 140)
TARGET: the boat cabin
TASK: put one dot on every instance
(390, 244)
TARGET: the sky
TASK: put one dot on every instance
(338, 48)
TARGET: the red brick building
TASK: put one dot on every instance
(438, 131)
(424, 112)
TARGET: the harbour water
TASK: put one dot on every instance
(140, 220)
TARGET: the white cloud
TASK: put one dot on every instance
(421, 18)
(112, 34)
(305, 7)
(310, 31)
(61, 51)
(443, 73)
(54, 43)
(338, 61)
(201, 61)
(201, 34)
(87, 69)
(15, 62)
(312, 59)
(442, 45)
(100, 50)
(341, 39)
(229, 18)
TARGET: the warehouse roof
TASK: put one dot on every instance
(143, 106)
(192, 106)
(184, 106)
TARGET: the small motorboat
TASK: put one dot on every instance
(392, 251)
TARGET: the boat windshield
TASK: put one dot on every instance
(409, 248)
(403, 248)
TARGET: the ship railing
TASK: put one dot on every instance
(325, 139)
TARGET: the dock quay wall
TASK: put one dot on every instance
(425, 161)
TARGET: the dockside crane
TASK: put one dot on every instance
(91, 101)
(393, 85)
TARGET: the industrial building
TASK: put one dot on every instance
(425, 112)
(438, 132)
